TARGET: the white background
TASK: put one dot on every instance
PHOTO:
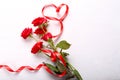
(92, 27)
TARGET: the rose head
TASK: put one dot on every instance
(40, 30)
(38, 21)
(26, 32)
(37, 47)
(47, 36)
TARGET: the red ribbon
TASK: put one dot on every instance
(60, 20)
(32, 69)
(57, 19)
(55, 55)
(21, 68)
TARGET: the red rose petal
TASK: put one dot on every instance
(36, 47)
(26, 32)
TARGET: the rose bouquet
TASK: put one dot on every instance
(46, 45)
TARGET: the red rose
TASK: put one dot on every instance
(40, 30)
(26, 32)
(47, 36)
(38, 21)
(36, 47)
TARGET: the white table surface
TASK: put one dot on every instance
(92, 27)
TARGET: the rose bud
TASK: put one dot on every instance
(38, 21)
(26, 32)
(37, 47)
(40, 30)
(47, 36)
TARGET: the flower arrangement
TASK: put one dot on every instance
(45, 44)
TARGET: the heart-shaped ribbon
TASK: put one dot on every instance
(56, 19)
(57, 11)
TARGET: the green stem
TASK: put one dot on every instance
(61, 51)
(74, 71)
(45, 54)
(33, 38)
(51, 43)
(43, 29)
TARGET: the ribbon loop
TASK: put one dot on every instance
(60, 20)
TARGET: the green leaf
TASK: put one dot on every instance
(76, 73)
(60, 66)
(63, 45)
(53, 68)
